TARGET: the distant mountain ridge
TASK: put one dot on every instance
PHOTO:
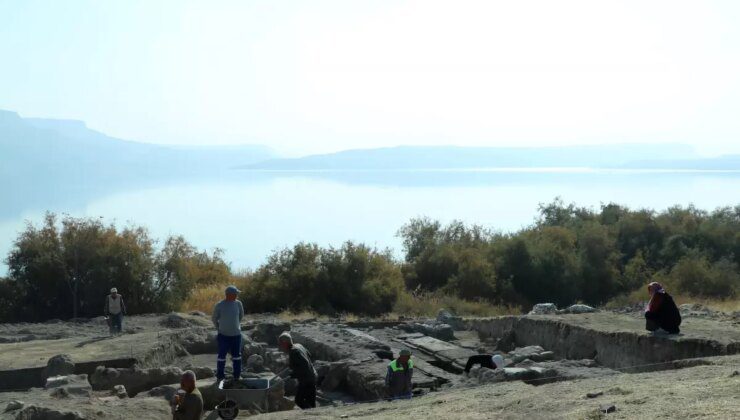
(45, 161)
(454, 157)
(50, 149)
(51, 146)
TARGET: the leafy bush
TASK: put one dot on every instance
(696, 276)
(62, 270)
(569, 254)
(575, 254)
(353, 278)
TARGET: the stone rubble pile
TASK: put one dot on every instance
(551, 309)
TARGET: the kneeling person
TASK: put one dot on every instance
(300, 368)
(188, 403)
(398, 376)
(490, 361)
(661, 311)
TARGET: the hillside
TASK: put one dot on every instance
(68, 148)
(451, 157)
(45, 161)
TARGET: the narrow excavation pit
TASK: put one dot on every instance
(612, 340)
(446, 366)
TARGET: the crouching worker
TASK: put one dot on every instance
(661, 311)
(398, 376)
(227, 317)
(187, 404)
(300, 368)
(490, 361)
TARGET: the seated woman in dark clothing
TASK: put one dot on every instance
(661, 311)
(489, 361)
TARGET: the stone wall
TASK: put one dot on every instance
(613, 349)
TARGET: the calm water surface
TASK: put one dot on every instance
(249, 214)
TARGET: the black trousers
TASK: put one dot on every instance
(653, 322)
(485, 360)
(305, 395)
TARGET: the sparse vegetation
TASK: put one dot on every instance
(428, 305)
(570, 254)
(203, 298)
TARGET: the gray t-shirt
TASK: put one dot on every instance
(227, 316)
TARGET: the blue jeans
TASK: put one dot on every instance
(231, 344)
(116, 323)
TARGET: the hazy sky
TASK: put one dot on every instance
(314, 76)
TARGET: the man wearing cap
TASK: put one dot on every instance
(398, 377)
(114, 309)
(227, 317)
(300, 368)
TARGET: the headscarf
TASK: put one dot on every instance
(498, 361)
(656, 296)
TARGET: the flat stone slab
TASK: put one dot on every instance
(409, 336)
(441, 349)
(361, 334)
(431, 344)
(83, 349)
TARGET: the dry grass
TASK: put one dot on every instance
(408, 305)
(203, 298)
(428, 305)
(724, 305)
(289, 316)
(640, 296)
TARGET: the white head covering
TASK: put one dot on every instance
(114, 290)
(498, 361)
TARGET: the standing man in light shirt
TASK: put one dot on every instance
(227, 316)
(115, 310)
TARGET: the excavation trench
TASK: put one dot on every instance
(352, 359)
(163, 352)
(625, 351)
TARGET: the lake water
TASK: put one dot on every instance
(249, 214)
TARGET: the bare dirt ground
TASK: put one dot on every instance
(723, 329)
(693, 375)
(711, 391)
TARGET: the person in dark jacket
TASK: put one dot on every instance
(490, 361)
(398, 376)
(300, 368)
(661, 312)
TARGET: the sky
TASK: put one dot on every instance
(319, 76)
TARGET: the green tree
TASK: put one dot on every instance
(636, 273)
(180, 268)
(67, 272)
(556, 266)
(475, 277)
(599, 261)
(65, 269)
(353, 278)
